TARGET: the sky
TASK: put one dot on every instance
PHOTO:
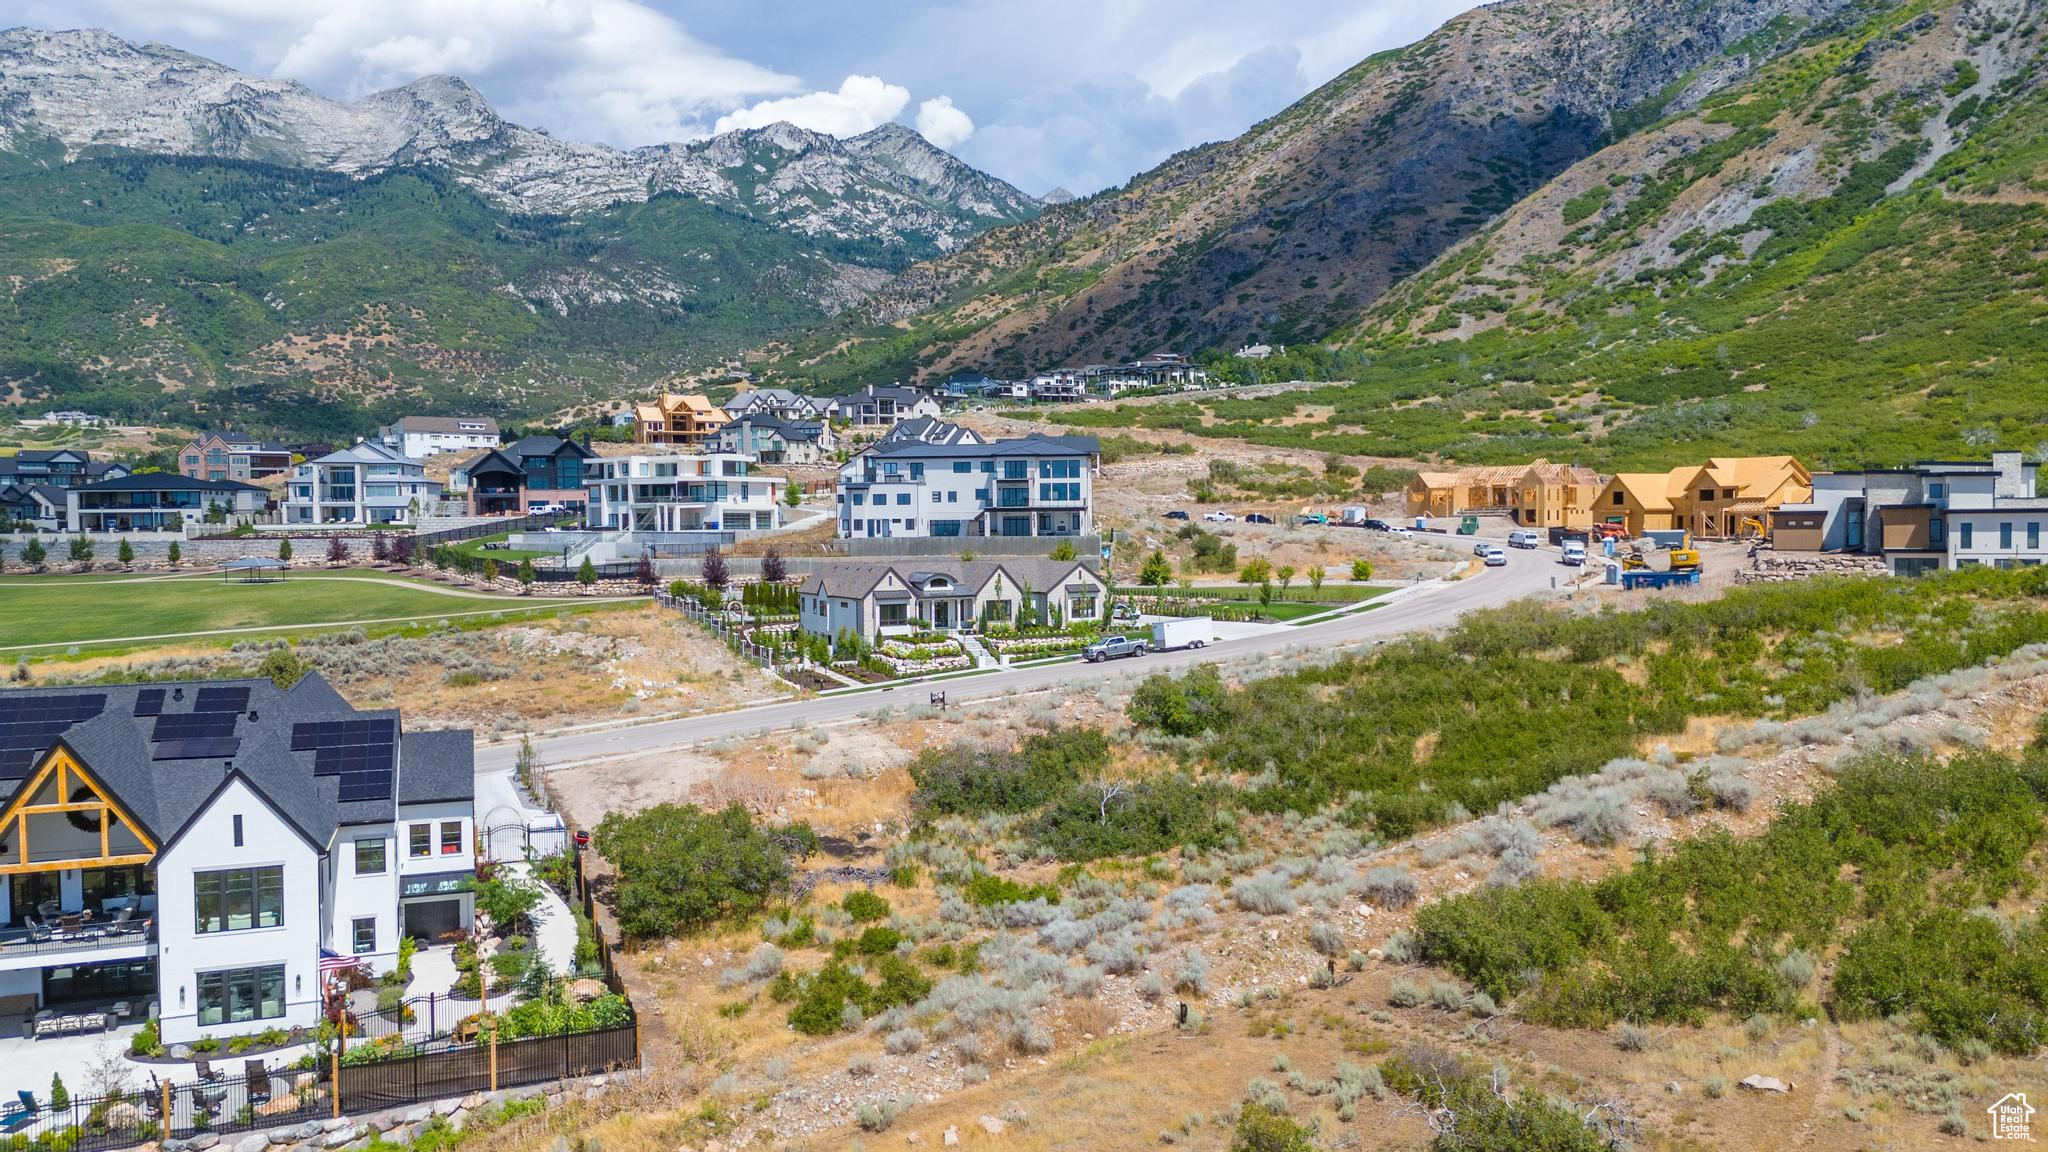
(1079, 94)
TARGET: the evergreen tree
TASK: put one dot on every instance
(126, 554)
(32, 553)
(284, 550)
(586, 573)
(1361, 570)
(773, 570)
(526, 575)
(716, 573)
(1157, 570)
(177, 553)
(81, 549)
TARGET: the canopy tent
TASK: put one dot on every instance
(253, 570)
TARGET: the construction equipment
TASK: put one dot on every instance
(1468, 525)
(1682, 566)
(1752, 528)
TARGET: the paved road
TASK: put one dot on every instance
(1527, 572)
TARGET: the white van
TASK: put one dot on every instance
(1574, 553)
(1523, 538)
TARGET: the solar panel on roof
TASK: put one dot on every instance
(222, 700)
(191, 725)
(29, 724)
(149, 702)
(203, 748)
(362, 754)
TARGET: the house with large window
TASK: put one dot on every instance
(779, 403)
(712, 492)
(193, 850)
(876, 600)
(1935, 514)
(1028, 486)
(57, 468)
(529, 473)
(366, 483)
(774, 440)
(884, 406)
(159, 502)
(422, 436)
(233, 456)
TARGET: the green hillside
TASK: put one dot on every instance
(1734, 278)
(192, 290)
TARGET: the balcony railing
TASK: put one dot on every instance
(107, 934)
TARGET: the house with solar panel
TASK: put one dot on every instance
(192, 851)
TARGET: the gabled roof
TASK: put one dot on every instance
(1020, 446)
(801, 430)
(237, 441)
(544, 445)
(165, 482)
(445, 425)
(855, 580)
(366, 452)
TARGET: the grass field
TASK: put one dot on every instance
(1298, 592)
(37, 613)
(514, 555)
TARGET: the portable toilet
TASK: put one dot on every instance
(1613, 567)
(1422, 523)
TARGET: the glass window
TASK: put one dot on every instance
(365, 934)
(239, 994)
(963, 466)
(2005, 534)
(370, 856)
(2033, 534)
(1968, 530)
(451, 838)
(902, 498)
(237, 899)
(420, 840)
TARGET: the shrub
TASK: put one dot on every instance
(1390, 887)
(681, 869)
(1404, 993)
(1630, 1038)
(878, 1116)
(1265, 893)
(1192, 977)
(860, 1065)
(1327, 939)
(987, 890)
(1261, 1128)
(903, 1041)
(968, 780)
(1796, 968)
(864, 906)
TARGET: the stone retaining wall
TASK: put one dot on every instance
(1768, 567)
(394, 1126)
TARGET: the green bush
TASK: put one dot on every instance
(985, 890)
(681, 868)
(968, 780)
(864, 906)
(820, 998)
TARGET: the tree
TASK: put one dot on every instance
(1157, 571)
(681, 868)
(526, 575)
(177, 554)
(793, 494)
(1256, 571)
(81, 550)
(380, 548)
(716, 573)
(1315, 577)
(401, 549)
(1062, 551)
(506, 899)
(1284, 574)
(283, 667)
(643, 572)
(60, 1097)
(586, 573)
(773, 569)
(215, 513)
(337, 550)
(284, 550)
(125, 554)
(32, 553)
(1265, 593)
(1361, 570)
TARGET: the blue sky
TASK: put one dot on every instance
(1075, 93)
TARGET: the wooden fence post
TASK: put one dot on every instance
(494, 1055)
(167, 1110)
(340, 1039)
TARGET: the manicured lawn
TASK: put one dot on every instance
(41, 610)
(1298, 592)
(476, 548)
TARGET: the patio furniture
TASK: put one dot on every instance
(122, 1009)
(50, 1023)
(206, 1069)
(19, 1116)
(48, 910)
(256, 1077)
(123, 914)
(70, 922)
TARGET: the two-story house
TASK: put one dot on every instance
(774, 440)
(1029, 486)
(233, 456)
(875, 600)
(159, 502)
(57, 468)
(712, 492)
(779, 403)
(685, 421)
(530, 473)
(931, 431)
(1935, 514)
(191, 850)
(1715, 499)
(366, 483)
(884, 406)
(420, 437)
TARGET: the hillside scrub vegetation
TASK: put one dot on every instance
(1890, 875)
(681, 868)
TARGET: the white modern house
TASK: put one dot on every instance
(365, 483)
(1029, 486)
(196, 850)
(1935, 514)
(422, 436)
(883, 406)
(775, 440)
(158, 502)
(889, 599)
(711, 492)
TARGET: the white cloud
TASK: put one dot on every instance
(862, 102)
(942, 124)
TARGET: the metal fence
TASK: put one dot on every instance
(431, 1073)
(530, 521)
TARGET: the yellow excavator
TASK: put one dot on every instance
(1752, 528)
(1684, 557)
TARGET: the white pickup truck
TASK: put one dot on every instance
(1183, 632)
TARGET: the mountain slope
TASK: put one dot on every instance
(93, 93)
(1839, 257)
(1288, 231)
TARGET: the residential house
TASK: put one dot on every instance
(72, 418)
(367, 483)
(1061, 385)
(689, 421)
(929, 431)
(774, 440)
(779, 403)
(195, 849)
(422, 436)
(41, 506)
(1257, 351)
(57, 468)
(884, 406)
(1030, 486)
(158, 502)
(971, 384)
(884, 599)
(530, 473)
(1715, 499)
(711, 492)
(1538, 494)
(1935, 514)
(233, 456)
(1162, 369)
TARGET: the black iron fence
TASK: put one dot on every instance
(434, 1073)
(532, 521)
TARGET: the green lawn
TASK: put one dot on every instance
(514, 555)
(1297, 593)
(36, 611)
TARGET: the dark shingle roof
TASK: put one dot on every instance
(1021, 446)
(438, 766)
(166, 482)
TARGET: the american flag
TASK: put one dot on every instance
(332, 962)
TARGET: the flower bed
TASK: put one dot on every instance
(1027, 647)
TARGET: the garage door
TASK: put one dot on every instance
(432, 919)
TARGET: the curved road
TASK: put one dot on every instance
(1431, 606)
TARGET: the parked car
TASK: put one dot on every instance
(1482, 547)
(1575, 554)
(1112, 647)
(1524, 538)
(1218, 517)
(1257, 518)
(1377, 524)
(1401, 530)
(1177, 514)
(1496, 557)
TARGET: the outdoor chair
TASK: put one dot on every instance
(256, 1078)
(206, 1069)
(19, 1116)
(70, 922)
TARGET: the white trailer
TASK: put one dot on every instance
(1183, 632)
(1355, 517)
